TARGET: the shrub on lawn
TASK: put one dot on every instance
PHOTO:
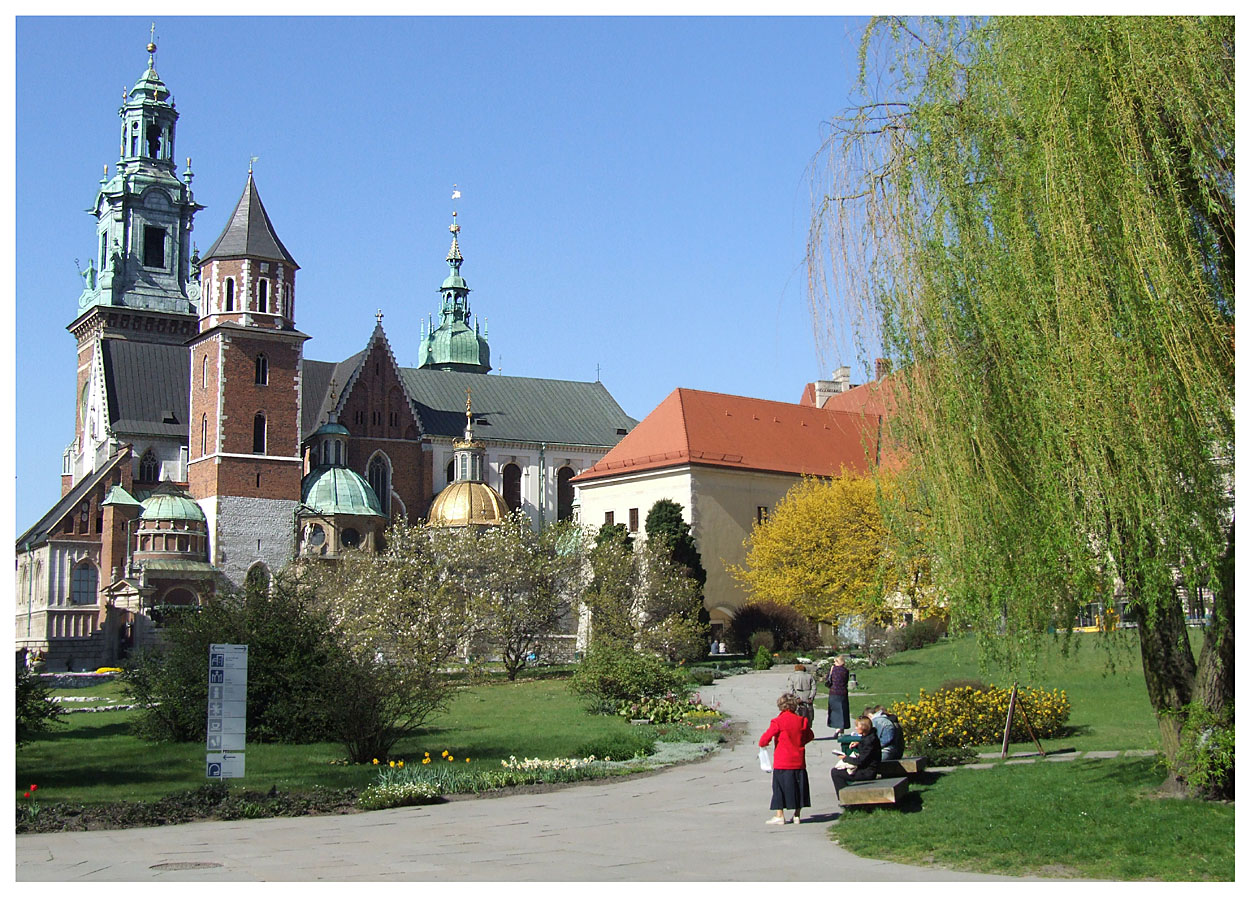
(939, 755)
(612, 673)
(791, 631)
(966, 716)
(701, 676)
(763, 659)
(290, 650)
(917, 634)
(36, 712)
(1206, 757)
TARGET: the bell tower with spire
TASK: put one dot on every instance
(453, 345)
(138, 281)
(244, 463)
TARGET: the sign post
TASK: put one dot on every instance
(227, 711)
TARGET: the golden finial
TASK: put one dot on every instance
(468, 402)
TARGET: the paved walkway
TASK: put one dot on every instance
(700, 821)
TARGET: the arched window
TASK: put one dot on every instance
(149, 467)
(451, 470)
(380, 480)
(178, 596)
(262, 294)
(204, 371)
(564, 494)
(258, 434)
(257, 578)
(204, 435)
(262, 370)
(82, 401)
(84, 584)
(512, 486)
(229, 294)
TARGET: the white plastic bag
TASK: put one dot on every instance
(766, 763)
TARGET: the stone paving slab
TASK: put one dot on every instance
(1102, 755)
(1020, 761)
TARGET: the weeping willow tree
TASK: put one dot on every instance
(1034, 218)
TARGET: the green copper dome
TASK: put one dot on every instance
(453, 345)
(331, 490)
(168, 503)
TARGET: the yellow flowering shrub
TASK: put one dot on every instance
(968, 716)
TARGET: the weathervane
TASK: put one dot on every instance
(250, 163)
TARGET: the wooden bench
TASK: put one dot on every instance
(902, 766)
(882, 791)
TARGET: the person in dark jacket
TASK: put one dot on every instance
(839, 718)
(791, 788)
(866, 757)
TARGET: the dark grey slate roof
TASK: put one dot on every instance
(38, 533)
(249, 232)
(148, 387)
(316, 389)
(525, 409)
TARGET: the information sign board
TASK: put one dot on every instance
(227, 711)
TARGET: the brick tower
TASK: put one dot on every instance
(244, 460)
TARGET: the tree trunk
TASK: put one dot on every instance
(1215, 682)
(1168, 664)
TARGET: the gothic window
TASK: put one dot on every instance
(149, 468)
(262, 370)
(204, 435)
(257, 578)
(84, 582)
(564, 494)
(262, 291)
(153, 247)
(258, 434)
(229, 294)
(512, 486)
(82, 402)
(204, 371)
(380, 480)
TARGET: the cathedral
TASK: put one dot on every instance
(209, 451)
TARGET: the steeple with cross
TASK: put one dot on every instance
(454, 345)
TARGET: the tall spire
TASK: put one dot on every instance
(453, 345)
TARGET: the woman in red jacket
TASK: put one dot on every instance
(790, 786)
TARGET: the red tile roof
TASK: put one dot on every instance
(719, 430)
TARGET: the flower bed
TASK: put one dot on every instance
(968, 716)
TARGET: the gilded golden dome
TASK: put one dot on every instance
(467, 503)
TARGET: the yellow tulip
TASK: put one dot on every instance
(375, 760)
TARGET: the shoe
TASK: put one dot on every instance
(797, 819)
(776, 821)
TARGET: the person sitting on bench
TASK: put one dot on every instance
(889, 733)
(865, 758)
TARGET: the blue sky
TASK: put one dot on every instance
(635, 191)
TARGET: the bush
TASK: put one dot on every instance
(701, 676)
(762, 639)
(636, 742)
(966, 716)
(614, 673)
(291, 651)
(763, 659)
(789, 628)
(36, 712)
(917, 634)
(1206, 757)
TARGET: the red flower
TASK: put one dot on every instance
(25, 795)
(33, 787)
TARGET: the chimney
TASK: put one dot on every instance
(883, 368)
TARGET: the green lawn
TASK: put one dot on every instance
(1090, 819)
(93, 759)
(1103, 680)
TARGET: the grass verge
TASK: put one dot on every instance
(1101, 674)
(1089, 819)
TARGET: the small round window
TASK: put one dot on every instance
(351, 537)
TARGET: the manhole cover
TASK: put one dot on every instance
(184, 865)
